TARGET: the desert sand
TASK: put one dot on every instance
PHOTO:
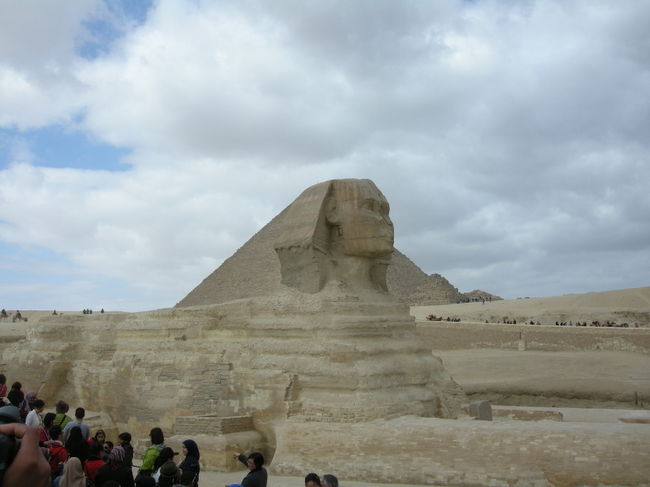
(624, 305)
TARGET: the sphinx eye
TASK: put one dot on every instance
(368, 205)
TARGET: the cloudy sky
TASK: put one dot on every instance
(142, 143)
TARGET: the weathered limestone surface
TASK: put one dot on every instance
(470, 453)
(442, 335)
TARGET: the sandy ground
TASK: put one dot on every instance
(625, 305)
(219, 479)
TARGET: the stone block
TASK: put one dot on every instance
(481, 410)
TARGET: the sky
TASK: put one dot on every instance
(142, 143)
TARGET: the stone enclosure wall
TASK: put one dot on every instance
(441, 335)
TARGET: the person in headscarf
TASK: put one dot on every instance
(115, 470)
(190, 466)
(73, 474)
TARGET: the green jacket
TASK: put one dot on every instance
(62, 419)
(150, 456)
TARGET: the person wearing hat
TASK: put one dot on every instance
(166, 456)
(115, 470)
(169, 474)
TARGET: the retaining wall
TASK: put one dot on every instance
(441, 335)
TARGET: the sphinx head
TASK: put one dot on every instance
(357, 213)
(340, 230)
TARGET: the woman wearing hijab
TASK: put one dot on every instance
(190, 466)
(73, 474)
(115, 470)
(76, 445)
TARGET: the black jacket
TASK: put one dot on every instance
(255, 478)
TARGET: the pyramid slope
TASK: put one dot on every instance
(254, 270)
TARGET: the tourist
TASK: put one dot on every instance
(58, 453)
(115, 470)
(79, 415)
(149, 458)
(73, 474)
(34, 418)
(190, 466)
(312, 480)
(76, 444)
(99, 438)
(27, 404)
(62, 419)
(16, 394)
(169, 475)
(257, 475)
(144, 481)
(330, 480)
(95, 461)
(3, 386)
(166, 455)
(48, 422)
(125, 442)
(108, 448)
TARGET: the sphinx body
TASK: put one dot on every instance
(328, 344)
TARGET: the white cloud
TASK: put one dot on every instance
(507, 137)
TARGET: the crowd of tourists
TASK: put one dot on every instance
(513, 321)
(59, 451)
(440, 318)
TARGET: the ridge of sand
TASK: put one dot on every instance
(622, 305)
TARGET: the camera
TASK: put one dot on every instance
(8, 443)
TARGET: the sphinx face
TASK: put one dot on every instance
(360, 218)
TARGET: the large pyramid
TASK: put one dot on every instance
(254, 270)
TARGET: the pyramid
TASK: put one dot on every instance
(254, 270)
